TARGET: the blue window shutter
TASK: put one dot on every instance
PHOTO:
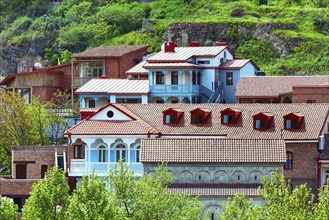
(167, 119)
(133, 156)
(225, 119)
(288, 124)
(112, 156)
(257, 124)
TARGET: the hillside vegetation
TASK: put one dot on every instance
(59, 29)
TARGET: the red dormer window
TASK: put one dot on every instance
(200, 115)
(293, 120)
(172, 115)
(263, 120)
(230, 116)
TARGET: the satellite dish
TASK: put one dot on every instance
(37, 65)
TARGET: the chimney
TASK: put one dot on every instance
(194, 44)
(169, 46)
(103, 76)
(222, 44)
(31, 69)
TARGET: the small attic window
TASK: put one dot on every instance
(263, 120)
(172, 116)
(230, 116)
(293, 120)
(200, 115)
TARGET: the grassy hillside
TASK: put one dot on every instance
(58, 30)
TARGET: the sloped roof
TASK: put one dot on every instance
(213, 189)
(273, 86)
(108, 51)
(181, 54)
(213, 150)
(315, 116)
(114, 86)
(138, 69)
(236, 64)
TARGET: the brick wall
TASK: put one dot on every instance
(16, 187)
(318, 93)
(129, 60)
(44, 92)
(304, 164)
(112, 69)
(35, 157)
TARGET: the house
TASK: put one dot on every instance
(29, 164)
(194, 74)
(202, 139)
(99, 92)
(106, 62)
(41, 82)
(283, 89)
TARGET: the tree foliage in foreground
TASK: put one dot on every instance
(8, 210)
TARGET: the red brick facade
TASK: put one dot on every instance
(304, 94)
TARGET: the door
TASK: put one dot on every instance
(21, 171)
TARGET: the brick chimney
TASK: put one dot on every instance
(169, 46)
(222, 44)
(194, 44)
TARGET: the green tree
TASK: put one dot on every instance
(149, 198)
(49, 197)
(281, 201)
(92, 200)
(240, 208)
(8, 210)
(321, 209)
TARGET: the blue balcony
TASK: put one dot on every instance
(80, 167)
(175, 89)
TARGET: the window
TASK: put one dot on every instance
(101, 154)
(311, 101)
(44, 169)
(194, 78)
(110, 114)
(25, 93)
(138, 150)
(21, 171)
(91, 103)
(159, 78)
(197, 119)
(120, 153)
(170, 119)
(229, 78)
(78, 152)
(203, 62)
(260, 124)
(228, 119)
(291, 124)
(225, 54)
(289, 159)
(174, 78)
(92, 69)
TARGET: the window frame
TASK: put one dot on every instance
(229, 78)
(122, 152)
(101, 154)
(159, 78)
(289, 164)
(78, 152)
(174, 78)
(197, 118)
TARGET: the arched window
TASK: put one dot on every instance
(138, 151)
(101, 154)
(43, 170)
(120, 152)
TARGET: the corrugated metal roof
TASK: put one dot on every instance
(213, 150)
(171, 65)
(234, 64)
(184, 53)
(138, 69)
(115, 86)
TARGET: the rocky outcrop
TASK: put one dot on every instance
(234, 33)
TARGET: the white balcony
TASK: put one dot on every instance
(80, 167)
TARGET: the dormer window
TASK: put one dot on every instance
(263, 120)
(293, 120)
(230, 116)
(200, 115)
(172, 116)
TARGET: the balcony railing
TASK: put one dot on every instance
(81, 167)
(175, 89)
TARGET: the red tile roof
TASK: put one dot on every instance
(109, 51)
(220, 150)
(273, 86)
(212, 189)
(315, 116)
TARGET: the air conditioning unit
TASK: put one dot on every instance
(322, 142)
